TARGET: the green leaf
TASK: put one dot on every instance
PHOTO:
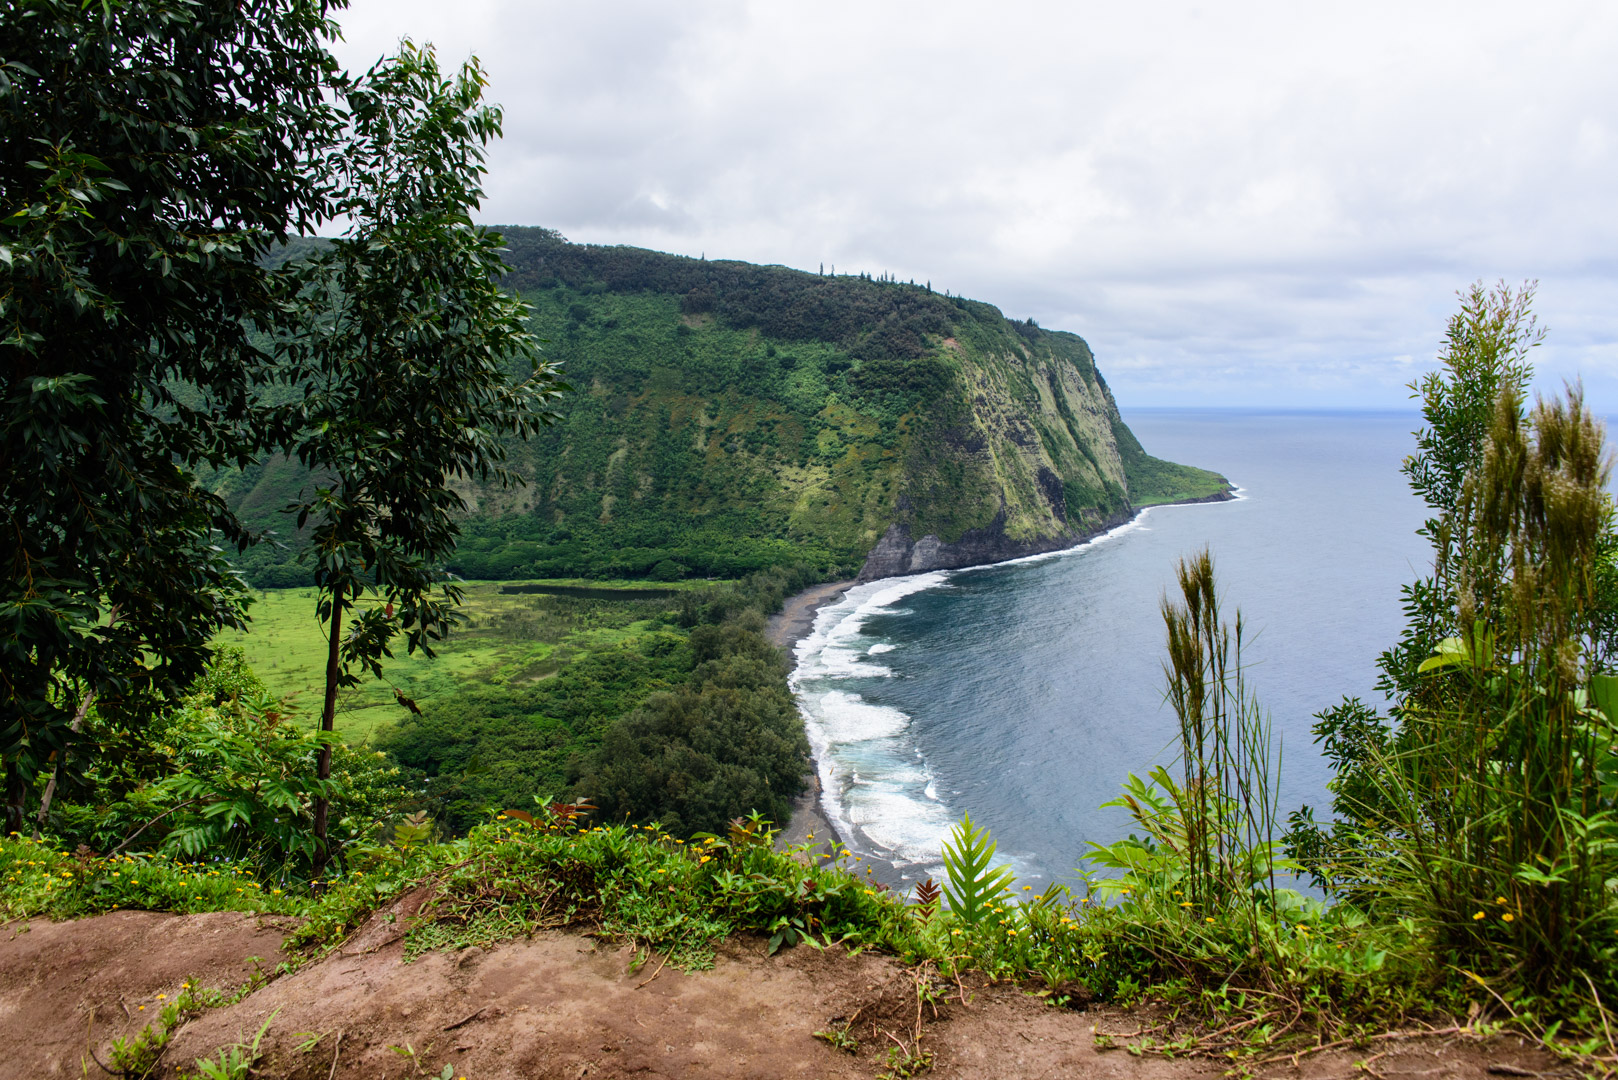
(973, 883)
(1604, 692)
(1451, 652)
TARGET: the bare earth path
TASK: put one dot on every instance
(563, 1005)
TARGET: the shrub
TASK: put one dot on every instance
(228, 774)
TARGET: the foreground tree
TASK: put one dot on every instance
(403, 370)
(154, 151)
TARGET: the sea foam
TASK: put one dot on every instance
(877, 789)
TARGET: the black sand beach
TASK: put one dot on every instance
(786, 628)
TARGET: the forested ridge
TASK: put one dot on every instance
(729, 417)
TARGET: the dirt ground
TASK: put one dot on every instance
(563, 1005)
(65, 986)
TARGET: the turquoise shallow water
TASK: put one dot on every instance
(1024, 693)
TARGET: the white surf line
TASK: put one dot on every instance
(905, 832)
(835, 718)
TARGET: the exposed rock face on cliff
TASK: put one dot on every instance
(898, 553)
(1027, 459)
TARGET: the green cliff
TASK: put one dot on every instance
(729, 417)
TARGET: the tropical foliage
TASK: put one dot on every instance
(156, 155)
(690, 724)
(1473, 823)
(154, 152)
(229, 774)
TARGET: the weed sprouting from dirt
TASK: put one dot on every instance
(838, 1036)
(233, 1062)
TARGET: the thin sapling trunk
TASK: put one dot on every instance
(328, 716)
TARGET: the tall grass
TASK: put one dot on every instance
(1229, 758)
(1494, 820)
(1210, 861)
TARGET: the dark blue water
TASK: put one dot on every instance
(1025, 693)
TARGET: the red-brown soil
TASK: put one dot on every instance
(64, 986)
(562, 1005)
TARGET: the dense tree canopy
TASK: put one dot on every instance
(154, 151)
(157, 155)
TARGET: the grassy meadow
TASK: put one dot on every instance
(507, 639)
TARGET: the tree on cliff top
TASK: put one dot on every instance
(402, 371)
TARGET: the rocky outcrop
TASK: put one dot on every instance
(899, 553)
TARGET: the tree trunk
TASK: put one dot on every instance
(78, 725)
(50, 788)
(16, 792)
(328, 716)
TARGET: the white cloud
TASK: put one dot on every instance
(1244, 202)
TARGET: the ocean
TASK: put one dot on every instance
(1024, 693)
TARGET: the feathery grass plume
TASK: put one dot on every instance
(1482, 367)
(1230, 759)
(1499, 796)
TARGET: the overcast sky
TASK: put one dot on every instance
(1235, 203)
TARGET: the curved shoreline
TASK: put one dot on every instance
(796, 620)
(785, 629)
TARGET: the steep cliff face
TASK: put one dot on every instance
(729, 417)
(1023, 461)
